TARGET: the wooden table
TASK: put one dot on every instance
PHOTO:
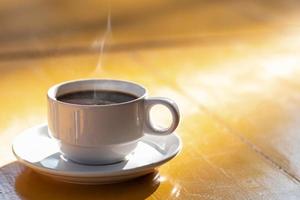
(232, 66)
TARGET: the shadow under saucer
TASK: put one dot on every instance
(30, 185)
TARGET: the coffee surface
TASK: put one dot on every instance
(96, 97)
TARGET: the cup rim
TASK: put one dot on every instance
(53, 90)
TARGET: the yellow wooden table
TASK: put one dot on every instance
(232, 66)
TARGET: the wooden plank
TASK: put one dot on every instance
(251, 89)
(213, 164)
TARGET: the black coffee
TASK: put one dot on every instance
(96, 97)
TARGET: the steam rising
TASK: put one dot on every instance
(100, 43)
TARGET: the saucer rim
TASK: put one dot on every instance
(50, 172)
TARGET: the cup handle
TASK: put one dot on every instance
(149, 127)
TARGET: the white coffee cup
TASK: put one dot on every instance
(103, 134)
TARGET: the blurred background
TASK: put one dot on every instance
(43, 28)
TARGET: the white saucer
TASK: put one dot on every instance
(38, 151)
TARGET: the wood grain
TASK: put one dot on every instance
(256, 98)
(214, 163)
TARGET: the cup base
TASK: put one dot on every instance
(93, 163)
(102, 155)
